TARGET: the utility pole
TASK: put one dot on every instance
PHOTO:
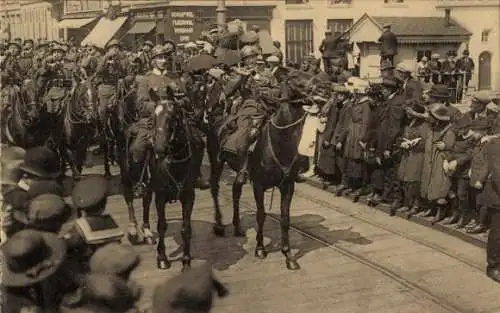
(221, 13)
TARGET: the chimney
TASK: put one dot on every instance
(447, 14)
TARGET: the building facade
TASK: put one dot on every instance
(29, 19)
(482, 18)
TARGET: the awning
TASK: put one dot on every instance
(143, 27)
(75, 22)
(104, 31)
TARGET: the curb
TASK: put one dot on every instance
(477, 240)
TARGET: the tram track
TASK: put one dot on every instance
(418, 290)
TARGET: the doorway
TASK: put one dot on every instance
(484, 72)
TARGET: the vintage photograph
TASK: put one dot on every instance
(250, 156)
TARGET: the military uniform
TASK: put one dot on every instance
(11, 70)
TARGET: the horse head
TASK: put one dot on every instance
(165, 121)
(26, 103)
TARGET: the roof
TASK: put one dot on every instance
(422, 26)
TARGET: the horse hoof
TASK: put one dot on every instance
(260, 253)
(238, 232)
(163, 264)
(219, 230)
(292, 265)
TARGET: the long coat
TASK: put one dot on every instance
(327, 157)
(487, 172)
(388, 44)
(412, 160)
(358, 130)
(389, 124)
(435, 182)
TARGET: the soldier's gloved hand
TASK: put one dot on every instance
(387, 154)
(440, 145)
(478, 185)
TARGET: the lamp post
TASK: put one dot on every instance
(221, 12)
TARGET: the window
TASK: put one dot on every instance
(394, 1)
(298, 40)
(335, 2)
(485, 34)
(423, 53)
(296, 1)
(338, 26)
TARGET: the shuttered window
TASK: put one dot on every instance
(339, 25)
(298, 40)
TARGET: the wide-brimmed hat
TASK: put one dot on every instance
(41, 162)
(30, 256)
(417, 110)
(439, 91)
(10, 159)
(114, 259)
(44, 213)
(440, 112)
(191, 291)
(401, 67)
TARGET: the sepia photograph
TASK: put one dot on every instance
(250, 156)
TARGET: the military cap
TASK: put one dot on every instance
(43, 43)
(112, 43)
(260, 59)
(44, 212)
(387, 25)
(13, 43)
(170, 46)
(17, 39)
(481, 97)
(89, 192)
(149, 43)
(247, 51)
(272, 59)
(158, 50)
(114, 259)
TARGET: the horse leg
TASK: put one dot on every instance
(187, 201)
(237, 189)
(287, 190)
(162, 261)
(216, 168)
(258, 193)
(135, 236)
(146, 228)
(72, 157)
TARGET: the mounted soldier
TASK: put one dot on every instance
(145, 57)
(10, 69)
(26, 57)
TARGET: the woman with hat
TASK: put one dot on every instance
(30, 260)
(412, 157)
(441, 94)
(439, 139)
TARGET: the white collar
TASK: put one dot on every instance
(158, 72)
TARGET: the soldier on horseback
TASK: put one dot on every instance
(257, 91)
(10, 68)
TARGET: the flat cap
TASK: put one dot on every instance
(114, 259)
(482, 97)
(89, 192)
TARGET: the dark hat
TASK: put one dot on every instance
(30, 256)
(462, 123)
(44, 212)
(10, 159)
(386, 65)
(108, 292)
(169, 46)
(439, 92)
(41, 162)
(42, 43)
(149, 43)
(89, 192)
(390, 82)
(190, 291)
(480, 124)
(17, 39)
(114, 42)
(157, 51)
(440, 112)
(114, 259)
(387, 25)
(42, 187)
(13, 43)
(417, 110)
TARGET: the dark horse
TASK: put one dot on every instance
(78, 128)
(20, 116)
(173, 174)
(273, 163)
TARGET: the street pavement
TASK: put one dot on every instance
(355, 259)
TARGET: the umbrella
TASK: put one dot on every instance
(229, 58)
(200, 63)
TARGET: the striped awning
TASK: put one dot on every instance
(142, 27)
(104, 31)
(75, 22)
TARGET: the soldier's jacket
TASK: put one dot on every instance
(160, 82)
(11, 71)
(145, 62)
(57, 77)
(111, 68)
(26, 63)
